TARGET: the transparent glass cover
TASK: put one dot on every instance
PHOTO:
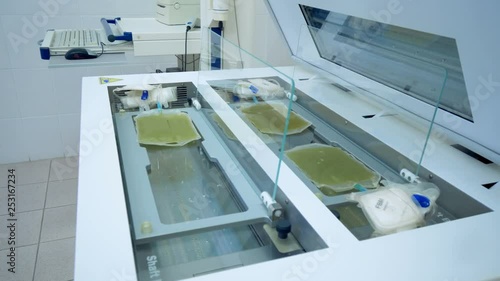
(252, 90)
(410, 61)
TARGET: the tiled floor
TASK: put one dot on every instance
(46, 220)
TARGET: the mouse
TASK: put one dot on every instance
(80, 53)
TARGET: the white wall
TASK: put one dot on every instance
(258, 33)
(40, 106)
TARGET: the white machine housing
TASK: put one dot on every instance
(153, 38)
(174, 12)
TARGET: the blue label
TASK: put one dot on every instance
(253, 89)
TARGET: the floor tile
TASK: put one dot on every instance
(61, 193)
(64, 169)
(25, 264)
(26, 172)
(59, 223)
(28, 197)
(27, 229)
(55, 260)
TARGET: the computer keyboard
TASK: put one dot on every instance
(77, 38)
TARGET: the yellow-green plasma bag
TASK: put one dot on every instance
(269, 118)
(331, 169)
(165, 128)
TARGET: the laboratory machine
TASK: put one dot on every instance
(373, 157)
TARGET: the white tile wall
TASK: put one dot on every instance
(36, 7)
(11, 144)
(4, 53)
(97, 7)
(24, 53)
(11, 7)
(68, 89)
(64, 7)
(35, 91)
(135, 8)
(42, 137)
(8, 96)
(70, 133)
(22, 46)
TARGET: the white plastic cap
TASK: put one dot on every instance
(288, 95)
(266, 198)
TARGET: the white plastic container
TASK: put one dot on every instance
(396, 207)
(390, 210)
